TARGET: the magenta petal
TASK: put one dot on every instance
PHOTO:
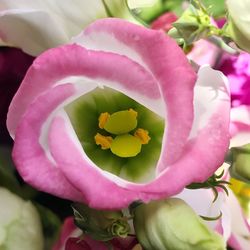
(29, 156)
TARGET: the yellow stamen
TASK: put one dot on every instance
(103, 141)
(142, 134)
(121, 122)
(126, 145)
(133, 112)
(103, 119)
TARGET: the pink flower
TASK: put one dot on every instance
(237, 69)
(164, 22)
(13, 66)
(144, 65)
(71, 238)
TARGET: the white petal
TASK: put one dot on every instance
(211, 90)
(23, 23)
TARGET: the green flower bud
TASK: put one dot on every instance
(20, 226)
(100, 224)
(172, 225)
(240, 166)
(238, 22)
(193, 25)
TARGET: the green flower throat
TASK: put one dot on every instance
(117, 133)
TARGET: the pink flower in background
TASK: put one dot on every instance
(13, 66)
(237, 69)
(71, 238)
(164, 22)
(145, 65)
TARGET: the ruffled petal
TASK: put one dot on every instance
(31, 159)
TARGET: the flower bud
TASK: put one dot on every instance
(238, 22)
(240, 166)
(172, 224)
(20, 227)
(193, 25)
(101, 225)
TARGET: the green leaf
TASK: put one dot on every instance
(8, 176)
(215, 7)
(7, 171)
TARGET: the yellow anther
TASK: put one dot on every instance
(132, 111)
(103, 119)
(142, 134)
(103, 141)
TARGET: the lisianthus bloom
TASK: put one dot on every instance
(237, 69)
(72, 238)
(35, 26)
(20, 226)
(13, 66)
(118, 116)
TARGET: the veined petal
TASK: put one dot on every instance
(157, 53)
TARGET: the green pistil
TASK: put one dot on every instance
(119, 124)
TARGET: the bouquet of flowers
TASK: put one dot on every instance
(125, 125)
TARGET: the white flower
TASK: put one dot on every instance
(20, 227)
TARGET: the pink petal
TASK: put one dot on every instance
(161, 55)
(240, 126)
(155, 65)
(29, 156)
(72, 60)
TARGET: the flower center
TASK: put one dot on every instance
(129, 135)
(121, 141)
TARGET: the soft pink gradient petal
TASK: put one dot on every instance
(192, 148)
(240, 126)
(72, 60)
(161, 55)
(29, 156)
(67, 229)
(240, 226)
